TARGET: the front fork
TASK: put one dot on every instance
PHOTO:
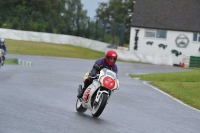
(99, 93)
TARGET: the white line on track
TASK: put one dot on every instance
(146, 83)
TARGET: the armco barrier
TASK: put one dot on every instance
(194, 61)
(24, 63)
(164, 59)
(52, 38)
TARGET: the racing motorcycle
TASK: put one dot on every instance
(97, 94)
(1, 57)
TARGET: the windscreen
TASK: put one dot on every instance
(111, 74)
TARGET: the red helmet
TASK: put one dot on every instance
(111, 57)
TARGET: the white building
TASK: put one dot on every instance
(166, 29)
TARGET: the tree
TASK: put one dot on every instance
(76, 16)
(53, 16)
(117, 11)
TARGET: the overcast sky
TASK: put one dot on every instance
(91, 6)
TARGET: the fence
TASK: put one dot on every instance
(194, 61)
(191, 61)
(102, 30)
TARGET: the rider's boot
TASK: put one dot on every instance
(80, 94)
(86, 84)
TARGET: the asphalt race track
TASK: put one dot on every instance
(41, 99)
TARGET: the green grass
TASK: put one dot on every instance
(11, 61)
(182, 85)
(49, 49)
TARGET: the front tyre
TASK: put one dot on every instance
(79, 107)
(99, 107)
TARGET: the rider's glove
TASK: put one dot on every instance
(92, 74)
(90, 79)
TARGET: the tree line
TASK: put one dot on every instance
(68, 17)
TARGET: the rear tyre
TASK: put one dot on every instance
(99, 107)
(79, 107)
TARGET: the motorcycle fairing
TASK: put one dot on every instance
(109, 78)
(93, 88)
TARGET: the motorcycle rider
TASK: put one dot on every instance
(3, 47)
(106, 62)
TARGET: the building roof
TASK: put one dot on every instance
(181, 15)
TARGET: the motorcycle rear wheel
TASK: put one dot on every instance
(98, 109)
(79, 107)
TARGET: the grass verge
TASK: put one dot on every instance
(182, 85)
(49, 49)
(11, 61)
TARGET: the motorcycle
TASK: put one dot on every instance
(97, 94)
(1, 57)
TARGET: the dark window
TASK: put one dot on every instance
(196, 37)
(156, 33)
(161, 33)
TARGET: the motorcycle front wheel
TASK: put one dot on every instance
(79, 107)
(99, 107)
